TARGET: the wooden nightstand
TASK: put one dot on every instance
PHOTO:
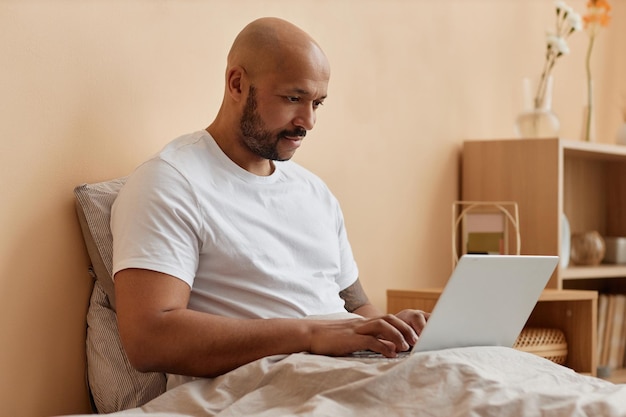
(572, 311)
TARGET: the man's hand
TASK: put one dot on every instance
(415, 318)
(396, 333)
(388, 334)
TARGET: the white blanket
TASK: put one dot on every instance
(485, 381)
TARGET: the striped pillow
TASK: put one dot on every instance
(114, 384)
(93, 206)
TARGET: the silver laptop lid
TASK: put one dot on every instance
(486, 301)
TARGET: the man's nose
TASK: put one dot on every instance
(305, 118)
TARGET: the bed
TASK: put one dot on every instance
(475, 381)
(486, 381)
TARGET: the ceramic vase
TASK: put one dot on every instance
(587, 248)
(537, 120)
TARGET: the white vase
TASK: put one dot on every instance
(537, 120)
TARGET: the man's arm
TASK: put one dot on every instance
(160, 333)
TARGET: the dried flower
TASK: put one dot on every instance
(567, 22)
(596, 17)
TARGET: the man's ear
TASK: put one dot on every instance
(234, 82)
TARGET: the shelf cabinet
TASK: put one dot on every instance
(549, 178)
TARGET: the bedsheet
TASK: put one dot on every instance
(478, 381)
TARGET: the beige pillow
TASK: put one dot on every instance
(114, 384)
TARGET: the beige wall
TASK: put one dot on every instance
(88, 89)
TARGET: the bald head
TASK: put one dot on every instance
(274, 45)
(277, 77)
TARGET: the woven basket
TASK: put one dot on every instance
(547, 343)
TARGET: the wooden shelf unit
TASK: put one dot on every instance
(548, 178)
(574, 312)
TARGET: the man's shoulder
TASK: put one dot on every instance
(183, 145)
(187, 155)
(170, 168)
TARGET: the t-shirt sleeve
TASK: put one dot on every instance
(156, 224)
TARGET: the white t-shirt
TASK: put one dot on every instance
(248, 246)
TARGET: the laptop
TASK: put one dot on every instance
(486, 301)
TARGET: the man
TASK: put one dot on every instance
(222, 245)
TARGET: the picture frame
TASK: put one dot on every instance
(485, 227)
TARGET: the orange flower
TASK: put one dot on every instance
(597, 15)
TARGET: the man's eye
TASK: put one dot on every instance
(293, 99)
(317, 103)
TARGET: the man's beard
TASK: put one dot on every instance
(259, 140)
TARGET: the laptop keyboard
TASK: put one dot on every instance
(367, 354)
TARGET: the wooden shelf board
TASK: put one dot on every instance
(567, 295)
(599, 271)
(604, 151)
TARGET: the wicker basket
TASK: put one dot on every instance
(547, 343)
